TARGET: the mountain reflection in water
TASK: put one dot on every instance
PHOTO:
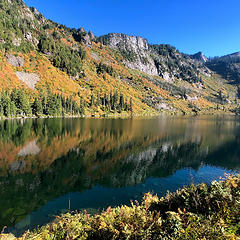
(101, 162)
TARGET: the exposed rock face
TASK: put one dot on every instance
(82, 36)
(191, 98)
(163, 60)
(30, 38)
(200, 57)
(30, 79)
(35, 11)
(26, 13)
(82, 30)
(164, 106)
(86, 40)
(95, 56)
(136, 50)
(15, 61)
(167, 77)
(17, 42)
(91, 35)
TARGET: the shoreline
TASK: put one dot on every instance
(193, 212)
(121, 116)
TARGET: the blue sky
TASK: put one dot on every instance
(210, 26)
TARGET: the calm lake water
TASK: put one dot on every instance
(50, 165)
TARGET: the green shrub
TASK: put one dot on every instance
(194, 212)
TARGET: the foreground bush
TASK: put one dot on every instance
(194, 212)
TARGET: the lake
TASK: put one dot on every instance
(51, 166)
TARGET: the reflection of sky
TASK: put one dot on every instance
(101, 197)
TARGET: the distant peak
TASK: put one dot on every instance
(236, 54)
(199, 56)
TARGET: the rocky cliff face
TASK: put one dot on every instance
(163, 60)
(134, 49)
(200, 57)
(40, 54)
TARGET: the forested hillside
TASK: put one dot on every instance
(228, 66)
(49, 69)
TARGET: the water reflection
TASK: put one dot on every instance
(100, 162)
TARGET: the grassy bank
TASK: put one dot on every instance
(193, 212)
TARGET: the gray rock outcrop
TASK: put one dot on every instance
(136, 51)
(200, 57)
(162, 60)
(15, 61)
(17, 42)
(30, 79)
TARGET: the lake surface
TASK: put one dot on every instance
(48, 166)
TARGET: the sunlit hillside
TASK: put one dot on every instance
(101, 77)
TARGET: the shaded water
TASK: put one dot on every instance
(50, 165)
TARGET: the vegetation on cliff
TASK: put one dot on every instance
(41, 55)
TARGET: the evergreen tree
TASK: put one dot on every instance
(131, 105)
(37, 107)
(92, 101)
(13, 109)
(1, 106)
(121, 101)
(111, 100)
(49, 104)
(6, 104)
(24, 104)
(7, 111)
(98, 100)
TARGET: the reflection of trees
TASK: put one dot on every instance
(226, 156)
(102, 153)
(16, 131)
(24, 193)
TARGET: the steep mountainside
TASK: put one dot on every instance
(228, 66)
(111, 74)
(200, 57)
(163, 60)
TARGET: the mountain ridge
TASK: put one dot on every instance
(153, 78)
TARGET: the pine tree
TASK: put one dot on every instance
(121, 101)
(1, 106)
(24, 104)
(37, 107)
(6, 104)
(111, 100)
(98, 103)
(13, 109)
(44, 104)
(7, 111)
(131, 105)
(92, 101)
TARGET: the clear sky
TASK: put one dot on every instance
(210, 26)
